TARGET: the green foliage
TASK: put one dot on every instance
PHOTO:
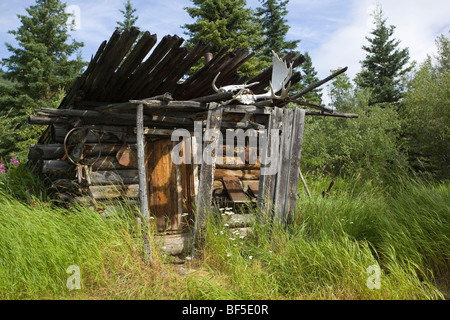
(20, 183)
(271, 16)
(443, 57)
(129, 19)
(326, 253)
(368, 145)
(323, 255)
(40, 70)
(309, 77)
(41, 63)
(385, 64)
(226, 23)
(426, 113)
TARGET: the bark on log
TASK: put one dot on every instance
(115, 191)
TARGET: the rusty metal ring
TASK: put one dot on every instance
(66, 151)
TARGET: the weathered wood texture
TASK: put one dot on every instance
(269, 158)
(161, 181)
(204, 196)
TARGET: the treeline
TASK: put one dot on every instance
(403, 107)
(404, 113)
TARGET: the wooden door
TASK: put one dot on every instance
(170, 187)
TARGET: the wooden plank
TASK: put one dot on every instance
(132, 61)
(253, 186)
(294, 166)
(267, 181)
(141, 162)
(195, 166)
(283, 167)
(179, 187)
(234, 189)
(143, 193)
(204, 197)
(161, 180)
(241, 174)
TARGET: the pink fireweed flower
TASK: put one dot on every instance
(2, 168)
(14, 161)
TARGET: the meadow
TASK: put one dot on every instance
(331, 251)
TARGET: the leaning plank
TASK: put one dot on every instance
(270, 154)
(204, 197)
(294, 166)
(234, 189)
(283, 167)
(115, 191)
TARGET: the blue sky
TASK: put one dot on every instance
(332, 31)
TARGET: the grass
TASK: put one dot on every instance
(324, 254)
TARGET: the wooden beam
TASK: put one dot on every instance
(143, 195)
(294, 166)
(334, 114)
(319, 83)
(267, 181)
(204, 196)
(283, 166)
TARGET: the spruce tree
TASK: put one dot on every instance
(443, 56)
(225, 23)
(41, 68)
(271, 16)
(309, 77)
(129, 19)
(42, 64)
(385, 63)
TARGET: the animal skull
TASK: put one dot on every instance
(281, 74)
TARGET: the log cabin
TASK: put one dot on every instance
(137, 105)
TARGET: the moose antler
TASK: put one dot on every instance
(231, 88)
(281, 74)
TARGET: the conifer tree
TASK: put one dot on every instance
(41, 68)
(309, 77)
(385, 63)
(225, 23)
(271, 16)
(129, 19)
(42, 64)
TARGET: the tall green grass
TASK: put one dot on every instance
(39, 242)
(324, 254)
